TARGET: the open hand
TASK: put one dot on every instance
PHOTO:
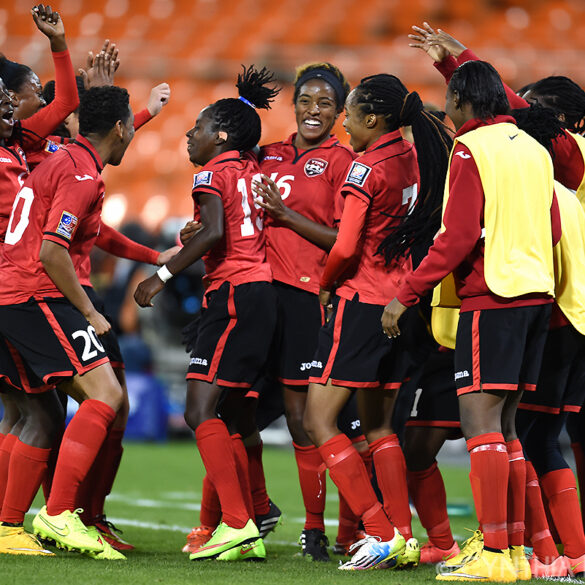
(269, 198)
(422, 38)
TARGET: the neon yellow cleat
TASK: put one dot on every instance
(469, 549)
(109, 553)
(15, 541)
(410, 558)
(520, 562)
(67, 531)
(224, 538)
(253, 551)
(485, 566)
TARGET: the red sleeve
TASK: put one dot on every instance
(113, 242)
(446, 67)
(555, 220)
(348, 238)
(568, 161)
(66, 101)
(140, 118)
(463, 226)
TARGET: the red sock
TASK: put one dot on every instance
(430, 500)
(391, 473)
(217, 452)
(242, 469)
(210, 512)
(536, 523)
(490, 472)
(257, 480)
(25, 473)
(560, 488)
(348, 471)
(312, 478)
(5, 451)
(580, 464)
(81, 443)
(51, 463)
(516, 493)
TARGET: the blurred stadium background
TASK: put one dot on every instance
(197, 46)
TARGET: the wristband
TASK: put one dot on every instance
(164, 273)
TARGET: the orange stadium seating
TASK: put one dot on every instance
(197, 46)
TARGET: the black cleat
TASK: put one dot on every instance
(268, 522)
(314, 544)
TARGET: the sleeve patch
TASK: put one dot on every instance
(67, 225)
(358, 173)
(202, 178)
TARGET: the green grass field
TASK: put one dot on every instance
(155, 501)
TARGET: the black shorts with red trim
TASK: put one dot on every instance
(110, 339)
(15, 372)
(235, 335)
(435, 401)
(561, 384)
(300, 316)
(354, 352)
(500, 349)
(348, 421)
(53, 337)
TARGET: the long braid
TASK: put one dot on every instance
(541, 123)
(386, 95)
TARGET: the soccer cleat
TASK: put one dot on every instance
(253, 551)
(314, 545)
(577, 566)
(483, 566)
(67, 531)
(410, 558)
(268, 522)
(372, 551)
(111, 534)
(520, 562)
(15, 541)
(560, 567)
(431, 554)
(469, 549)
(225, 538)
(197, 538)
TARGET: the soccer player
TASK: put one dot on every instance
(47, 316)
(490, 154)
(236, 328)
(379, 191)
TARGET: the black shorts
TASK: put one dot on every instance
(561, 384)
(348, 420)
(354, 352)
(15, 372)
(53, 337)
(110, 339)
(235, 335)
(500, 349)
(435, 402)
(300, 316)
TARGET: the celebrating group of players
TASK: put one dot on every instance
(327, 270)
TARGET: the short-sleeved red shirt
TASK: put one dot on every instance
(309, 181)
(386, 177)
(13, 172)
(240, 256)
(60, 201)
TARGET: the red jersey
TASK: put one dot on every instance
(309, 181)
(239, 257)
(13, 172)
(60, 201)
(385, 177)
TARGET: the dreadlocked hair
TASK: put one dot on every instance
(479, 84)
(565, 97)
(14, 75)
(541, 123)
(386, 96)
(329, 73)
(240, 119)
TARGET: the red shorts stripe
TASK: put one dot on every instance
(336, 340)
(293, 382)
(539, 408)
(476, 379)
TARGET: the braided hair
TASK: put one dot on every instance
(541, 123)
(565, 97)
(327, 72)
(386, 96)
(238, 117)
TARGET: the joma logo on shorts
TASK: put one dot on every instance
(309, 365)
(462, 374)
(198, 362)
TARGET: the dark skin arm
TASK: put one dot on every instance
(51, 25)
(268, 197)
(211, 232)
(57, 262)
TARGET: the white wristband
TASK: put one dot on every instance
(164, 273)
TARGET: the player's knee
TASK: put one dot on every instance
(295, 423)
(194, 416)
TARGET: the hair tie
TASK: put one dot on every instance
(247, 102)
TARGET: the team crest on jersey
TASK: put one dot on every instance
(202, 178)
(52, 146)
(315, 166)
(358, 173)
(67, 225)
